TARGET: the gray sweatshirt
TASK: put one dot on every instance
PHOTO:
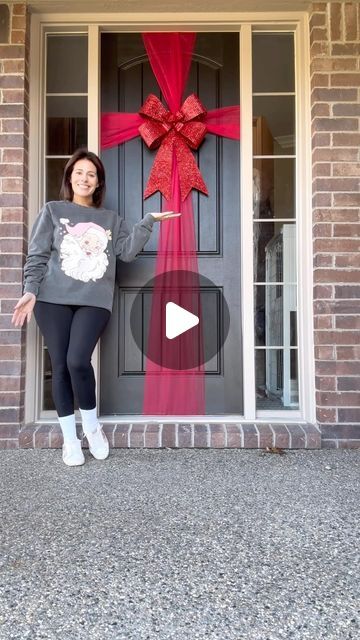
(73, 250)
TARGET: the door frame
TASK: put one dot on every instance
(96, 23)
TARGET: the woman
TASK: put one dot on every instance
(69, 278)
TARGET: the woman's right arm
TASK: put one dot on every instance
(35, 266)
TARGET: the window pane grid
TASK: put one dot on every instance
(275, 268)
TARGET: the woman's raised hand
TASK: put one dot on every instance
(23, 309)
(165, 215)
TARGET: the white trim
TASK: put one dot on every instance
(296, 21)
(304, 252)
(246, 209)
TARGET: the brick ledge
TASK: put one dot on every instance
(152, 435)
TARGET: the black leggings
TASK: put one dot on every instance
(70, 334)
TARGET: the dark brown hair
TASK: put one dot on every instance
(66, 191)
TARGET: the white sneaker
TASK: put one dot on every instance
(72, 453)
(98, 443)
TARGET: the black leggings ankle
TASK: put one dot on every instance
(70, 334)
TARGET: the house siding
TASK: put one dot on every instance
(335, 74)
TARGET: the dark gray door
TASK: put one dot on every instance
(126, 80)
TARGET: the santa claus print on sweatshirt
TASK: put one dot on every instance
(82, 251)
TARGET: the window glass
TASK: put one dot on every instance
(273, 62)
(66, 64)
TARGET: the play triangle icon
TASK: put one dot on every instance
(178, 320)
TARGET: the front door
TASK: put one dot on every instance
(126, 80)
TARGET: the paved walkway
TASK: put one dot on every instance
(180, 545)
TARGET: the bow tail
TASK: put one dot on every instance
(161, 171)
(189, 173)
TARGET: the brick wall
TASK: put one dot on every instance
(335, 81)
(13, 215)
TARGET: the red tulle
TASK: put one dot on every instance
(172, 391)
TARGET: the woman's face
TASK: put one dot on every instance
(84, 179)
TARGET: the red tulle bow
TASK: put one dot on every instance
(173, 132)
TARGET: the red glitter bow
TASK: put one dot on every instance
(173, 132)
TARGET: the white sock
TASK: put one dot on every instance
(68, 427)
(89, 420)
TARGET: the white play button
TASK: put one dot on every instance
(178, 320)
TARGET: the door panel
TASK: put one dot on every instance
(127, 79)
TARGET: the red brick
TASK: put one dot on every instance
(120, 435)
(346, 230)
(336, 275)
(350, 21)
(11, 200)
(349, 384)
(137, 435)
(347, 109)
(335, 399)
(10, 275)
(346, 199)
(11, 82)
(348, 368)
(11, 51)
(169, 435)
(13, 125)
(322, 230)
(14, 66)
(322, 169)
(14, 155)
(11, 170)
(152, 439)
(337, 245)
(349, 260)
(200, 435)
(333, 64)
(336, 184)
(348, 322)
(19, 9)
(348, 353)
(323, 322)
(317, 20)
(12, 185)
(346, 169)
(325, 415)
(184, 436)
(251, 440)
(318, 34)
(323, 260)
(217, 436)
(17, 36)
(345, 49)
(320, 109)
(324, 353)
(338, 155)
(350, 415)
(11, 230)
(334, 95)
(320, 80)
(319, 49)
(341, 430)
(233, 436)
(335, 124)
(335, 21)
(321, 291)
(321, 200)
(336, 215)
(345, 79)
(323, 383)
(337, 337)
(346, 139)
(321, 140)
(15, 96)
(282, 438)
